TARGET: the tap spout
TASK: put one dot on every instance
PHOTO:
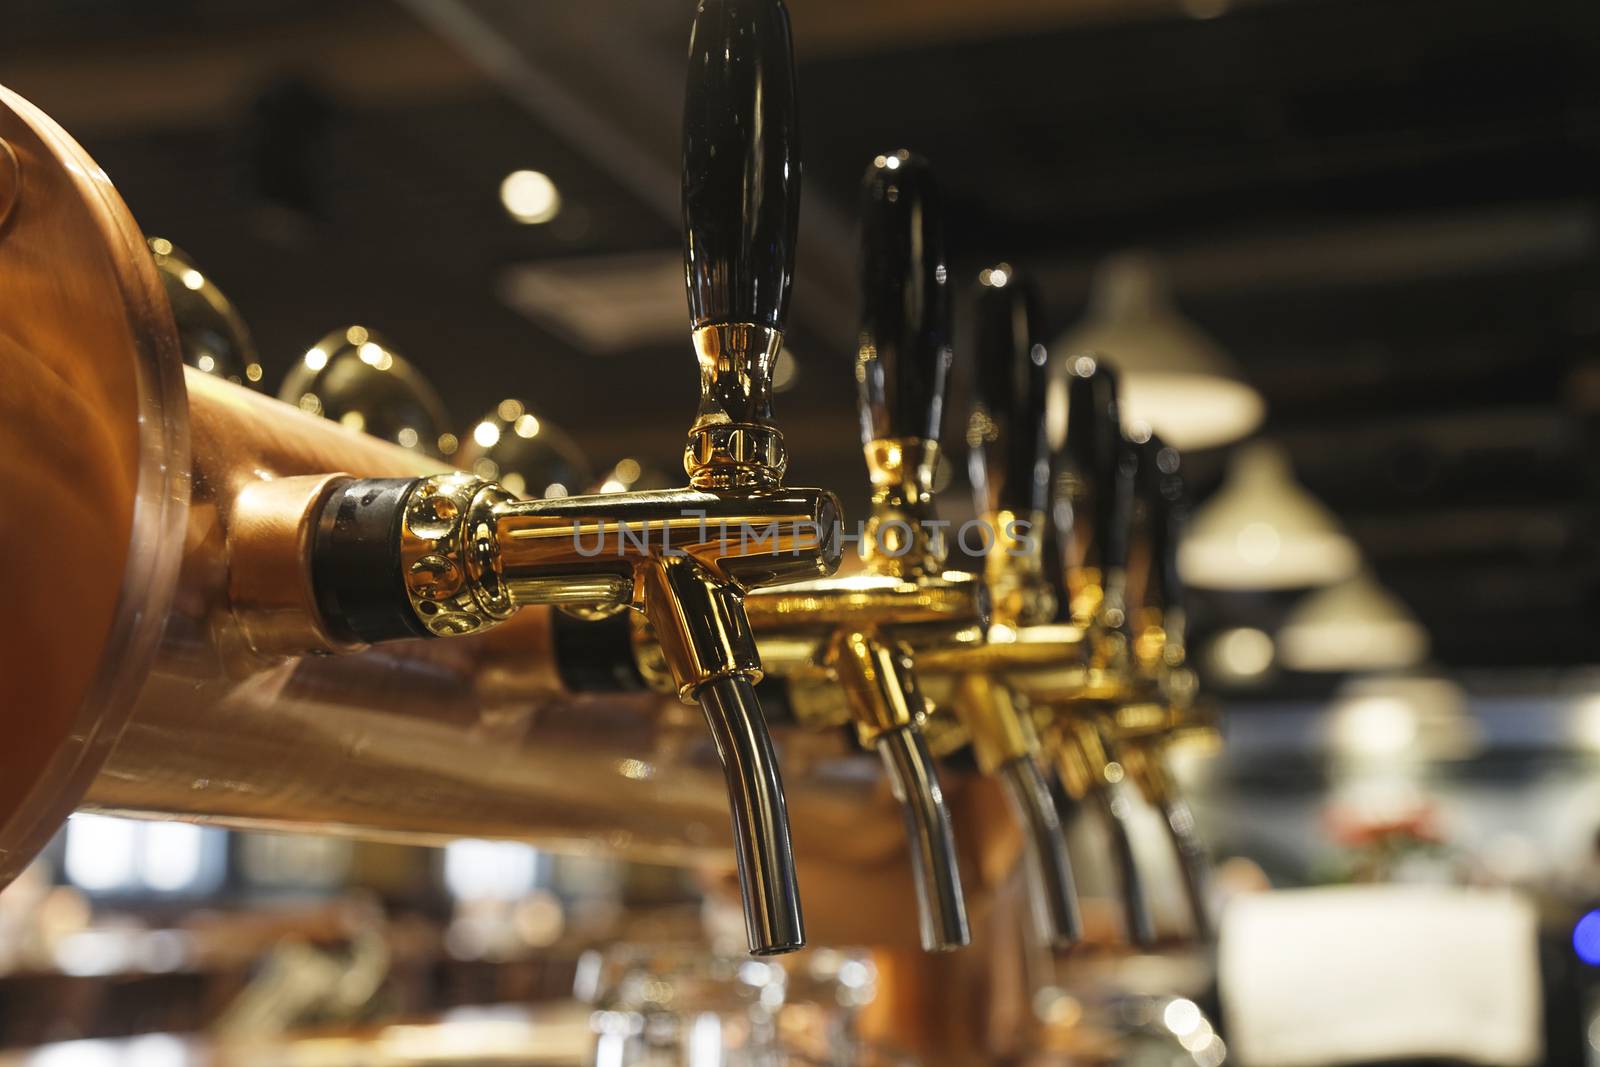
(1112, 805)
(760, 816)
(941, 905)
(1049, 869)
(880, 684)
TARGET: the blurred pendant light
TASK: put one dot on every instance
(1407, 717)
(1174, 377)
(1263, 531)
(1356, 625)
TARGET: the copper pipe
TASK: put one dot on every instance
(163, 639)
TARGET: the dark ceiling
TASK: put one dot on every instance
(1385, 209)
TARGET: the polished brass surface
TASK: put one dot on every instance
(851, 637)
(472, 554)
(423, 740)
(213, 334)
(355, 377)
(997, 729)
(878, 684)
(927, 613)
(900, 537)
(93, 446)
(1014, 568)
(847, 637)
(530, 456)
(733, 445)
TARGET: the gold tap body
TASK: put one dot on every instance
(856, 635)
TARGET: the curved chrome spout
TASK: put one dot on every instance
(941, 905)
(1054, 895)
(1139, 924)
(760, 816)
(1194, 862)
(880, 684)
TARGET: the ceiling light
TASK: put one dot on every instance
(1241, 656)
(530, 197)
(1585, 723)
(1174, 377)
(785, 371)
(1356, 625)
(1415, 717)
(1263, 531)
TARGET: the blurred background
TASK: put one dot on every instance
(1348, 252)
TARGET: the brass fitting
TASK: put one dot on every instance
(472, 554)
(733, 446)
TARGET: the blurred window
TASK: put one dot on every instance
(490, 870)
(107, 855)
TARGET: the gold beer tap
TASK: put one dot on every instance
(1008, 461)
(1167, 713)
(853, 632)
(453, 554)
(1093, 488)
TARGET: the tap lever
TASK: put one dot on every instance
(1163, 495)
(1161, 648)
(1009, 456)
(1092, 509)
(741, 211)
(1010, 446)
(903, 359)
(905, 350)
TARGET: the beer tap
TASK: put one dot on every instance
(1093, 488)
(854, 631)
(453, 554)
(1009, 462)
(1168, 713)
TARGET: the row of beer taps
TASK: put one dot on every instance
(1060, 664)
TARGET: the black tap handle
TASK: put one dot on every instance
(1009, 461)
(1118, 533)
(1094, 472)
(741, 164)
(1163, 494)
(904, 354)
